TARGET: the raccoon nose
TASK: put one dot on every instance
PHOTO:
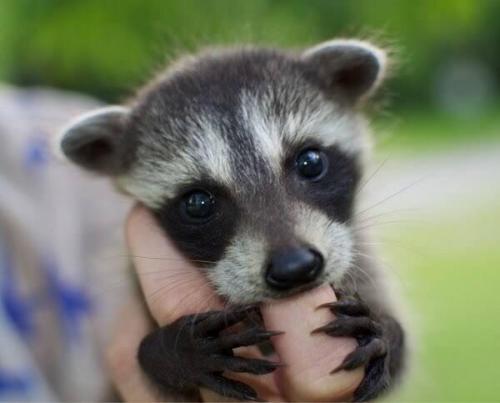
(293, 267)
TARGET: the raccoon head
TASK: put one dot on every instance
(249, 158)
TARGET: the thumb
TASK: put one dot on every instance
(171, 285)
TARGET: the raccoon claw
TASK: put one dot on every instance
(354, 319)
(363, 355)
(350, 327)
(247, 337)
(347, 306)
(194, 351)
(212, 322)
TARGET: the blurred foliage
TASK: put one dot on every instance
(414, 132)
(107, 47)
(451, 276)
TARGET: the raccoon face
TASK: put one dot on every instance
(250, 160)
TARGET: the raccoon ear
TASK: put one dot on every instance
(95, 140)
(350, 68)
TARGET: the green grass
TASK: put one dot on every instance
(452, 277)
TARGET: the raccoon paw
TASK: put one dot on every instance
(354, 319)
(192, 352)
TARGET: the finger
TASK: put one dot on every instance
(172, 286)
(307, 376)
(122, 351)
(266, 385)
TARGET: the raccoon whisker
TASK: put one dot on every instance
(357, 252)
(391, 196)
(383, 214)
(397, 242)
(187, 297)
(387, 266)
(363, 272)
(381, 262)
(376, 260)
(170, 285)
(371, 243)
(385, 242)
(380, 223)
(154, 295)
(124, 275)
(104, 282)
(372, 175)
(359, 269)
(403, 220)
(165, 258)
(162, 273)
(107, 288)
(352, 280)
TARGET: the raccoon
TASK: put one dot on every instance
(251, 160)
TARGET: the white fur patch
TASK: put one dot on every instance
(264, 128)
(154, 178)
(332, 239)
(320, 121)
(239, 275)
(331, 127)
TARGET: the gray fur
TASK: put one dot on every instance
(233, 123)
(248, 250)
(233, 117)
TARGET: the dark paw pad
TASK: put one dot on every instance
(195, 350)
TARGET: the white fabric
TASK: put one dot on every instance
(61, 257)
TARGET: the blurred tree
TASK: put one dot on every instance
(107, 47)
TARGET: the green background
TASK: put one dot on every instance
(450, 265)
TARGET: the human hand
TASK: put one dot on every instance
(173, 288)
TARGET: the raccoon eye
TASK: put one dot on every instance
(311, 164)
(198, 205)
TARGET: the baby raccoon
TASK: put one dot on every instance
(250, 159)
